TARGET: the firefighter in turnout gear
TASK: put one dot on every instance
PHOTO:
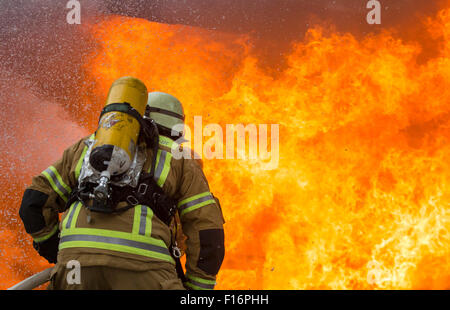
(120, 226)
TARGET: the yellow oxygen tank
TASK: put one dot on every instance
(118, 132)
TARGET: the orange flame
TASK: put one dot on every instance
(359, 199)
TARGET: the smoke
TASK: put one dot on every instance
(40, 70)
(273, 25)
(285, 18)
(33, 134)
(37, 43)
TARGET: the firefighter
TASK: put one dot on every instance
(134, 245)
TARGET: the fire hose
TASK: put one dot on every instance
(33, 281)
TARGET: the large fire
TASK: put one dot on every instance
(360, 197)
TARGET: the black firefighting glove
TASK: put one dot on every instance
(48, 248)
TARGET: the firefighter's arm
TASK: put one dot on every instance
(44, 199)
(202, 223)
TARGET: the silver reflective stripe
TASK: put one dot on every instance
(118, 241)
(202, 285)
(55, 180)
(194, 202)
(143, 220)
(72, 212)
(160, 167)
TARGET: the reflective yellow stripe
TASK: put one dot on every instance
(142, 223)
(165, 171)
(165, 141)
(56, 182)
(114, 234)
(74, 219)
(68, 219)
(195, 202)
(47, 236)
(136, 219)
(163, 160)
(115, 241)
(59, 178)
(148, 222)
(162, 167)
(80, 163)
(196, 287)
(110, 245)
(199, 283)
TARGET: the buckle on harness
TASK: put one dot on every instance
(132, 200)
(142, 188)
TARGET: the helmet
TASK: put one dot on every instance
(165, 110)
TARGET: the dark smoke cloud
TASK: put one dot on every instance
(274, 24)
(38, 45)
(269, 16)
